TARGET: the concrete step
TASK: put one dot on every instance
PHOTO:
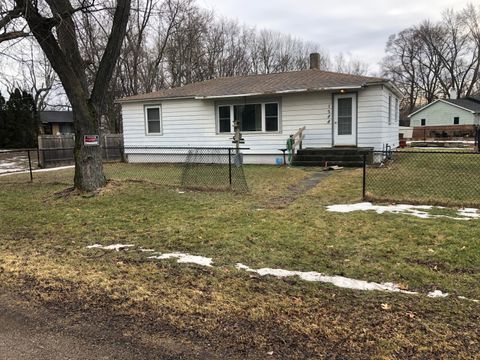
(329, 157)
(330, 163)
(334, 151)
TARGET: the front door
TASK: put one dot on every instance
(345, 120)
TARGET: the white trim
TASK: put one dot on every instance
(445, 102)
(345, 140)
(145, 112)
(279, 92)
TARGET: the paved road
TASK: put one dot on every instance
(32, 333)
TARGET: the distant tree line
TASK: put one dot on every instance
(431, 59)
(19, 122)
(171, 43)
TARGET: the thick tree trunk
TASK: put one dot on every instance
(88, 159)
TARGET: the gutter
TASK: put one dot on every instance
(146, 100)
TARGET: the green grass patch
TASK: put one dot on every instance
(44, 239)
(433, 178)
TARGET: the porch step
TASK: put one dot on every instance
(346, 157)
(330, 163)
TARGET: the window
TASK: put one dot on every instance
(47, 129)
(153, 118)
(389, 109)
(456, 120)
(423, 122)
(397, 110)
(249, 116)
(262, 117)
(66, 128)
(224, 119)
(271, 117)
(345, 116)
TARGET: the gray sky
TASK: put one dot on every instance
(358, 27)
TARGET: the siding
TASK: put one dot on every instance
(441, 113)
(373, 127)
(192, 123)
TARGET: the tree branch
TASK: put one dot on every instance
(112, 52)
(12, 35)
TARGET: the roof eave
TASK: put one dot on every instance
(137, 100)
(279, 92)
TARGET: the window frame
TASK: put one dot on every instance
(423, 122)
(456, 120)
(397, 110)
(389, 109)
(160, 119)
(261, 102)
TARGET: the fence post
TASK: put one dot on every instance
(364, 176)
(230, 166)
(30, 165)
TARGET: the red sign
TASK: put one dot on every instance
(91, 140)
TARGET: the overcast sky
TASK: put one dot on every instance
(358, 27)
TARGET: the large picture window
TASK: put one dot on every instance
(261, 117)
(249, 116)
(153, 119)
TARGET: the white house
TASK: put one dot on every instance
(446, 118)
(337, 110)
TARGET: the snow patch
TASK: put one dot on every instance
(339, 281)
(116, 247)
(464, 298)
(414, 210)
(39, 170)
(437, 294)
(185, 258)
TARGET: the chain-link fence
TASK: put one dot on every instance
(184, 167)
(18, 161)
(427, 177)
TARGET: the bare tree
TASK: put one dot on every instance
(54, 25)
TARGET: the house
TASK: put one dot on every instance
(446, 118)
(337, 110)
(56, 122)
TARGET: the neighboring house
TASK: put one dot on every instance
(337, 110)
(446, 118)
(56, 122)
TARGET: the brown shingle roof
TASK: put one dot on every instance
(305, 80)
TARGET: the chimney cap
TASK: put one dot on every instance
(315, 61)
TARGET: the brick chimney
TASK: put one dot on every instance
(315, 61)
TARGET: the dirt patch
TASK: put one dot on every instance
(31, 331)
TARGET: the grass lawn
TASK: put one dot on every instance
(43, 253)
(434, 177)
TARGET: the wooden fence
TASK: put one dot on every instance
(56, 150)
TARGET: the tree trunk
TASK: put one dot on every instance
(88, 159)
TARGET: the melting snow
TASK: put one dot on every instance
(464, 298)
(184, 258)
(414, 210)
(339, 281)
(116, 247)
(436, 294)
(38, 170)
